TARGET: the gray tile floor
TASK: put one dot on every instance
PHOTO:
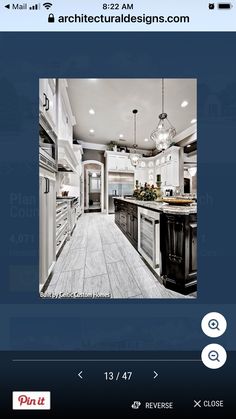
(99, 261)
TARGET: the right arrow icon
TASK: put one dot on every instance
(155, 375)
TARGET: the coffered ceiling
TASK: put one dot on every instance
(103, 108)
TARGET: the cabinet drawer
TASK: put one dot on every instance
(62, 218)
(61, 238)
(61, 211)
(60, 227)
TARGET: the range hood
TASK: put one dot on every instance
(67, 160)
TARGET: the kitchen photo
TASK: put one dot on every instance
(118, 188)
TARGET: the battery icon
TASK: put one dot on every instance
(225, 6)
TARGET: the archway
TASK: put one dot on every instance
(93, 186)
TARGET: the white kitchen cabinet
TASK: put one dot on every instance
(111, 163)
(42, 95)
(47, 205)
(48, 101)
(166, 175)
(168, 166)
(119, 162)
(129, 165)
(150, 176)
(170, 174)
(65, 128)
(163, 175)
(141, 175)
(145, 172)
(66, 120)
(62, 223)
(78, 150)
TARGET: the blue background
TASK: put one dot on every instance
(28, 322)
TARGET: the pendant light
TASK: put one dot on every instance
(134, 155)
(192, 171)
(164, 132)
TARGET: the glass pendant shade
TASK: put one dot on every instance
(164, 133)
(134, 155)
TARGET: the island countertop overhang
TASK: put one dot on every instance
(161, 207)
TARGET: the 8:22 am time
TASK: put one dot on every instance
(117, 6)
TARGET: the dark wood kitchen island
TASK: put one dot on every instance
(177, 240)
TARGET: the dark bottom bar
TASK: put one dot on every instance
(162, 384)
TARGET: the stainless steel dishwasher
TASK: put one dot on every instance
(149, 237)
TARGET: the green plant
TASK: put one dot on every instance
(146, 194)
(111, 145)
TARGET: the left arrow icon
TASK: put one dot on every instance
(8, 6)
(80, 375)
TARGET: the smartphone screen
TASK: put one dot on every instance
(117, 128)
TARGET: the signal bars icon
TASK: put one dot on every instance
(47, 5)
(35, 7)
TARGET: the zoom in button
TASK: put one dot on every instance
(214, 325)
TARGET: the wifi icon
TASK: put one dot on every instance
(47, 5)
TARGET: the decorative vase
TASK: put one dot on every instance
(159, 192)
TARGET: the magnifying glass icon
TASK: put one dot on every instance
(213, 356)
(213, 324)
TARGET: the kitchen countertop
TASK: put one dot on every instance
(66, 197)
(162, 207)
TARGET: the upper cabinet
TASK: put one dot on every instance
(67, 158)
(141, 175)
(170, 167)
(167, 164)
(54, 106)
(118, 162)
(66, 119)
(48, 101)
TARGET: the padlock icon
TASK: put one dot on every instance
(51, 18)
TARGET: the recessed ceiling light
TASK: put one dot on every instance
(146, 140)
(189, 145)
(121, 136)
(193, 121)
(91, 131)
(91, 111)
(184, 104)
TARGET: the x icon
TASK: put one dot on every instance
(197, 404)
